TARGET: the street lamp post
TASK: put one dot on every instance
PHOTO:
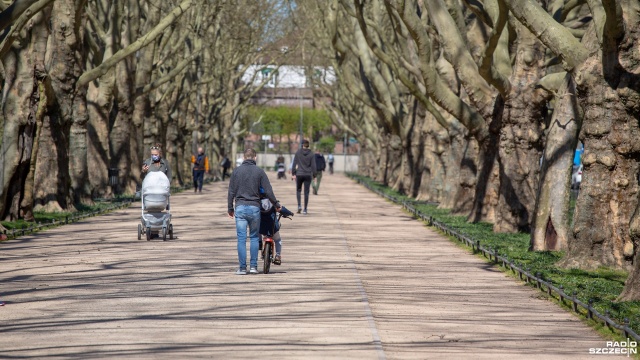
(300, 97)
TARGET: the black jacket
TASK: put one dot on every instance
(320, 163)
(304, 163)
(245, 183)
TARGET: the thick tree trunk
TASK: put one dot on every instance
(121, 130)
(487, 178)
(26, 205)
(432, 140)
(66, 62)
(99, 104)
(52, 181)
(521, 138)
(100, 96)
(631, 291)
(552, 225)
(629, 91)
(609, 191)
(24, 69)
(466, 161)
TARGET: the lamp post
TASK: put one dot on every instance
(266, 139)
(300, 97)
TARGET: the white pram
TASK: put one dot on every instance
(155, 194)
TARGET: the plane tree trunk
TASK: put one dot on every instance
(521, 138)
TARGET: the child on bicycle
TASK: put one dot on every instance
(269, 225)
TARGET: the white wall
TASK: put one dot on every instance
(288, 76)
(351, 161)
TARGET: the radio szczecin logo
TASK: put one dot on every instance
(627, 347)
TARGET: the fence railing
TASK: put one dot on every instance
(121, 203)
(524, 274)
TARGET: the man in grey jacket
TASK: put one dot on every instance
(304, 169)
(244, 190)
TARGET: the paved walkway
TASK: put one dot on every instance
(360, 279)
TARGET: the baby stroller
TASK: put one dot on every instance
(155, 194)
(281, 171)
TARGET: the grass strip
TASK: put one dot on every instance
(45, 220)
(602, 286)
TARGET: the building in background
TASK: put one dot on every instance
(292, 85)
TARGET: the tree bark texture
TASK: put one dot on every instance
(66, 60)
(608, 86)
(24, 69)
(521, 138)
(552, 226)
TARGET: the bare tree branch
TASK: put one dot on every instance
(15, 10)
(555, 36)
(145, 40)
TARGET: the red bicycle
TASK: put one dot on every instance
(269, 245)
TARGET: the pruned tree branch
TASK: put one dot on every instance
(143, 41)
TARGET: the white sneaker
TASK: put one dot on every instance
(252, 271)
(241, 272)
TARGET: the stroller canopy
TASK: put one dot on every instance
(156, 190)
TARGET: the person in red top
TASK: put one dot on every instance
(200, 165)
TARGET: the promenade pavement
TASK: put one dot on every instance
(360, 279)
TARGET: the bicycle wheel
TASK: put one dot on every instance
(267, 258)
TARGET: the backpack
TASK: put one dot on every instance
(265, 204)
(200, 161)
(330, 158)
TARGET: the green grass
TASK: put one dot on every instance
(602, 285)
(47, 217)
(99, 204)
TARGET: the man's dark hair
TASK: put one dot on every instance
(305, 143)
(249, 154)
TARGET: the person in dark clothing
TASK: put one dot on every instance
(226, 164)
(269, 226)
(303, 170)
(200, 166)
(244, 191)
(321, 165)
(156, 162)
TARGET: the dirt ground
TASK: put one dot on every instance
(360, 279)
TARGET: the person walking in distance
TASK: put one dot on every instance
(303, 170)
(244, 193)
(226, 164)
(330, 161)
(200, 165)
(320, 166)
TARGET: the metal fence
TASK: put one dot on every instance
(578, 306)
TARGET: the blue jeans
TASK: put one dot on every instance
(247, 215)
(198, 178)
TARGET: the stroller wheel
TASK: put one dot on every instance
(148, 233)
(164, 234)
(171, 231)
(139, 232)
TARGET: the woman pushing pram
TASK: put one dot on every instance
(280, 168)
(155, 218)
